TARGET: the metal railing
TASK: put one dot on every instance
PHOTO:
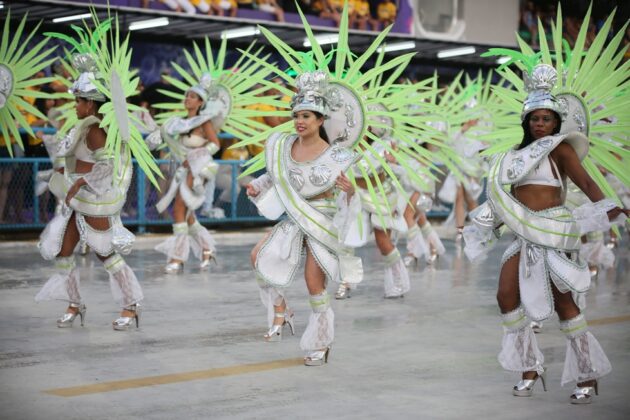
(25, 210)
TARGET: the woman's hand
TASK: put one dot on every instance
(74, 189)
(251, 190)
(186, 164)
(614, 213)
(344, 184)
(390, 157)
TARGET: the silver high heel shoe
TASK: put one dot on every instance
(174, 267)
(433, 257)
(317, 357)
(536, 326)
(584, 394)
(275, 332)
(525, 387)
(343, 292)
(123, 323)
(208, 257)
(66, 320)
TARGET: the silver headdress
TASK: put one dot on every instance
(204, 87)
(84, 86)
(314, 94)
(539, 84)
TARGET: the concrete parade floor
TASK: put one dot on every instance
(199, 353)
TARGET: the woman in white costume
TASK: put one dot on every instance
(422, 240)
(310, 203)
(92, 186)
(383, 215)
(542, 270)
(192, 142)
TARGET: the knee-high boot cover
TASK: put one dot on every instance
(396, 275)
(63, 285)
(320, 330)
(585, 360)
(519, 350)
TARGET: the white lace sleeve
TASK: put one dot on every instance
(99, 179)
(593, 217)
(262, 183)
(482, 234)
(154, 139)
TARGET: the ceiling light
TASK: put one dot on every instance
(398, 46)
(503, 60)
(240, 32)
(323, 39)
(1, 5)
(146, 24)
(73, 17)
(456, 52)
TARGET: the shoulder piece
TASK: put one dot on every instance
(518, 163)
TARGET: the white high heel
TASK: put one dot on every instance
(174, 267)
(66, 320)
(275, 332)
(208, 257)
(525, 387)
(317, 357)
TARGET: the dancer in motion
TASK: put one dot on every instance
(541, 270)
(303, 172)
(192, 141)
(212, 99)
(96, 175)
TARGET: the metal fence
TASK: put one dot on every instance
(25, 210)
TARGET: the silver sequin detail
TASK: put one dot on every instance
(6, 84)
(296, 178)
(341, 154)
(532, 253)
(122, 239)
(539, 147)
(319, 175)
(424, 202)
(349, 113)
(516, 168)
(579, 119)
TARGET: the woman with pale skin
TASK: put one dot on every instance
(564, 163)
(311, 143)
(193, 103)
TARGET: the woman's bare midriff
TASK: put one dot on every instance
(83, 167)
(538, 197)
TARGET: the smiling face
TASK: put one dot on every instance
(542, 122)
(192, 101)
(307, 123)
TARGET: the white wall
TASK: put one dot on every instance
(483, 21)
(491, 21)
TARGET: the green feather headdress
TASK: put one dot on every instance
(242, 84)
(596, 78)
(117, 82)
(379, 101)
(17, 68)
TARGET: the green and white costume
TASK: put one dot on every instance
(103, 76)
(549, 240)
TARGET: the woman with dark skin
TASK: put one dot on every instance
(90, 214)
(538, 124)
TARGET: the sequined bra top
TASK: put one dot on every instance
(543, 174)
